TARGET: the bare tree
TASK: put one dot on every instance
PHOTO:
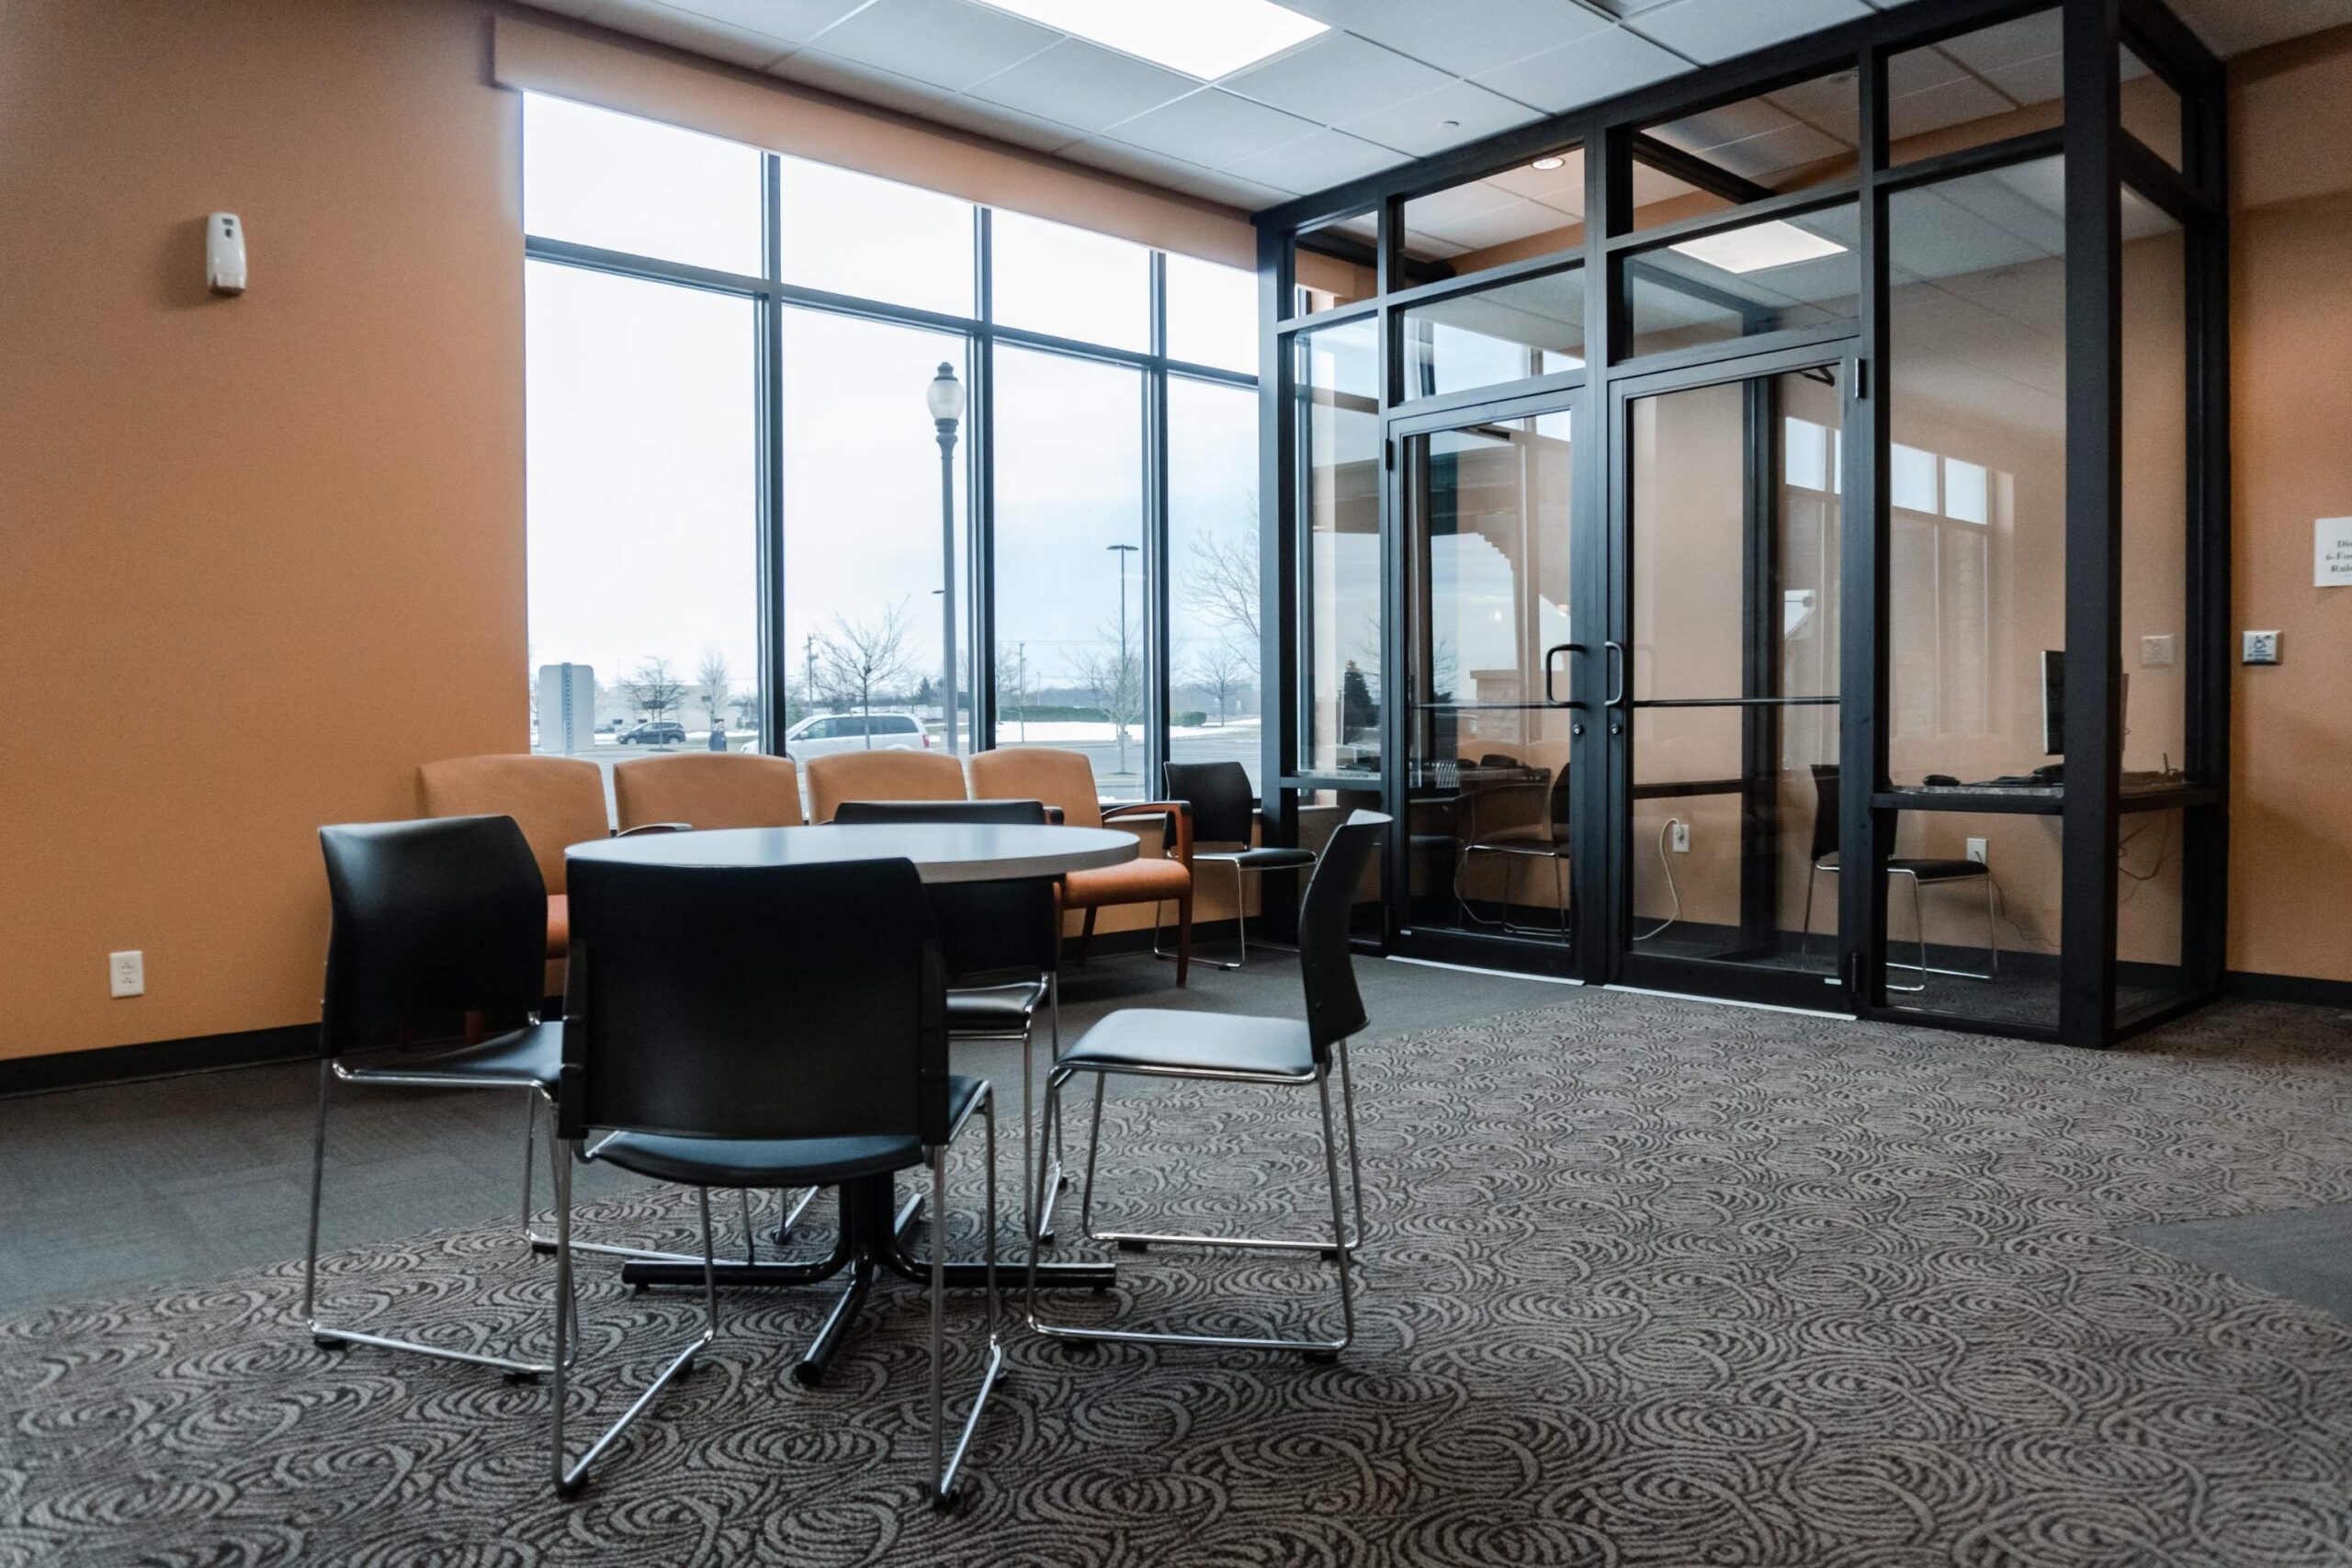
(1223, 673)
(716, 682)
(654, 687)
(1013, 665)
(1113, 673)
(1221, 583)
(863, 659)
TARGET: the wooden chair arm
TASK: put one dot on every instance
(1178, 812)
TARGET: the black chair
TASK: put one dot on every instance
(1225, 1048)
(435, 961)
(1923, 873)
(765, 1026)
(987, 930)
(1224, 814)
(1546, 837)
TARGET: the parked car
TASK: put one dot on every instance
(823, 734)
(656, 733)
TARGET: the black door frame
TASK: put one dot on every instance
(1856, 666)
(1540, 955)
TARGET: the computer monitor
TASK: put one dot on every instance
(2053, 702)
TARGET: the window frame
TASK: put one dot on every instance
(982, 333)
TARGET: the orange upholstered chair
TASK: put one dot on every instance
(1066, 779)
(881, 775)
(557, 801)
(707, 789)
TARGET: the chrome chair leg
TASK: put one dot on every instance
(944, 1465)
(327, 1335)
(1340, 1248)
(1240, 926)
(568, 1477)
(1355, 1157)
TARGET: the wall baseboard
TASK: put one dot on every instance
(157, 1059)
(254, 1047)
(2288, 988)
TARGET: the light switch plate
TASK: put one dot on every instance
(2155, 652)
(1976, 850)
(2261, 648)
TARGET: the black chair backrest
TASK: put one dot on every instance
(1825, 810)
(1224, 808)
(985, 928)
(1326, 958)
(753, 1002)
(432, 919)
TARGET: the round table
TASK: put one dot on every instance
(872, 1228)
(943, 851)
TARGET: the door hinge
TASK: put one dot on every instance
(1389, 455)
(1861, 380)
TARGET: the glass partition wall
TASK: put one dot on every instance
(1767, 535)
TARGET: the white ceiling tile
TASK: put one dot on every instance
(1717, 30)
(1955, 102)
(1441, 210)
(1316, 163)
(796, 20)
(1032, 132)
(1078, 83)
(1212, 128)
(2232, 27)
(1831, 104)
(884, 89)
(950, 43)
(1562, 187)
(1134, 162)
(1429, 247)
(2033, 81)
(1337, 78)
(1438, 31)
(696, 34)
(1247, 195)
(566, 7)
(1584, 71)
(1501, 225)
(1452, 115)
(2009, 43)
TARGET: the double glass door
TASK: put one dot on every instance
(1617, 721)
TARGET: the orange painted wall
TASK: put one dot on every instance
(261, 555)
(2291, 316)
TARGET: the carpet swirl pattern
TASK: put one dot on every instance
(1648, 1282)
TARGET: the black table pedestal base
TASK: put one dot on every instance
(871, 1241)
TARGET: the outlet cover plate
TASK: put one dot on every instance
(126, 973)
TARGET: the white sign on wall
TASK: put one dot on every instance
(2332, 553)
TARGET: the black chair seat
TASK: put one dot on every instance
(528, 1055)
(775, 1162)
(1268, 857)
(994, 1009)
(1197, 1041)
(1927, 870)
(1940, 870)
(1534, 838)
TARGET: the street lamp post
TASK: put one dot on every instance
(946, 398)
(1118, 723)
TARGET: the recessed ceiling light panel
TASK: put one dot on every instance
(1759, 247)
(1207, 38)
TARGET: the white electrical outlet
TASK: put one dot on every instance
(126, 973)
(1976, 850)
(1681, 838)
(2261, 648)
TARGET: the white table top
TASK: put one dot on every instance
(943, 851)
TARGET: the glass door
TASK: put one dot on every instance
(1723, 679)
(1485, 498)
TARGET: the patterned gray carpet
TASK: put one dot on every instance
(1649, 1281)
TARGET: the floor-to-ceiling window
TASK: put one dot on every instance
(744, 530)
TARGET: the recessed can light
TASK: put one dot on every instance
(1548, 164)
